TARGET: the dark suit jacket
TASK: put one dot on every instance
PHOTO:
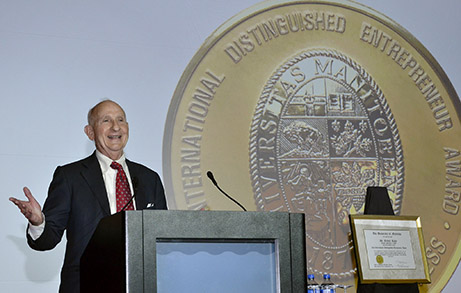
(77, 201)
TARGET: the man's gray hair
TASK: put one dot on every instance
(92, 111)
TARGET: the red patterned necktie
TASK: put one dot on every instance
(122, 188)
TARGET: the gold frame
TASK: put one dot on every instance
(412, 224)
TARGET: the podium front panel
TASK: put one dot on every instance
(281, 232)
(122, 254)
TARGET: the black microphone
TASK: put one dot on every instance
(134, 180)
(210, 175)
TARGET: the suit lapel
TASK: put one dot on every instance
(91, 171)
(140, 198)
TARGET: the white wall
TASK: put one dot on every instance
(58, 58)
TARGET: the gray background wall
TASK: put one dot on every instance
(58, 58)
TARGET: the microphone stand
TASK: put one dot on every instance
(210, 175)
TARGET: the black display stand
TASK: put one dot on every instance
(121, 256)
(377, 202)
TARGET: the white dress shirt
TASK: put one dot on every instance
(109, 175)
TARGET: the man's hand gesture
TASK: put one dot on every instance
(30, 209)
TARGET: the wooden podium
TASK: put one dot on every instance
(122, 254)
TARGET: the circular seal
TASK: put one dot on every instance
(299, 106)
(379, 259)
(326, 127)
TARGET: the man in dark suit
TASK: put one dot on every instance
(83, 192)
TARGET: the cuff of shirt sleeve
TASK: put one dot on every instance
(36, 231)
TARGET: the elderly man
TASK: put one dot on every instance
(83, 192)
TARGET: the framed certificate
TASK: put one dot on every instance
(389, 249)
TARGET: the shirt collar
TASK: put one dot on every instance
(105, 161)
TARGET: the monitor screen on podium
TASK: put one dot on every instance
(229, 265)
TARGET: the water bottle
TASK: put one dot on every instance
(327, 285)
(312, 285)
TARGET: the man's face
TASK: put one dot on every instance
(109, 129)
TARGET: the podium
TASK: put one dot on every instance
(127, 251)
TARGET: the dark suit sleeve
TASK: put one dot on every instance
(56, 210)
(149, 188)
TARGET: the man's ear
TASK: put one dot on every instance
(89, 132)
